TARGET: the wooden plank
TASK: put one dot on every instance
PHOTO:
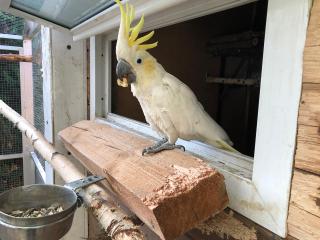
(305, 192)
(313, 35)
(171, 191)
(309, 112)
(311, 72)
(303, 225)
(308, 149)
(315, 13)
(311, 54)
(15, 58)
(311, 67)
(26, 90)
(307, 158)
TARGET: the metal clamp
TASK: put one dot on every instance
(82, 183)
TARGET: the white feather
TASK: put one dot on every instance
(172, 109)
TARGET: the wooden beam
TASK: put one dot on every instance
(308, 149)
(311, 66)
(305, 192)
(309, 112)
(170, 191)
(302, 224)
(15, 58)
(313, 36)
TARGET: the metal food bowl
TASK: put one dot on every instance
(51, 227)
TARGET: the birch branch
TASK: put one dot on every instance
(15, 58)
(112, 219)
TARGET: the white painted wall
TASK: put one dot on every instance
(69, 104)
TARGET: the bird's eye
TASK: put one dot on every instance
(139, 60)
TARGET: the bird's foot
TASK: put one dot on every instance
(160, 147)
(156, 145)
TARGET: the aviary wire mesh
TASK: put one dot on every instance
(11, 174)
(11, 170)
(10, 137)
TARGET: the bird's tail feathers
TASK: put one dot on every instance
(225, 146)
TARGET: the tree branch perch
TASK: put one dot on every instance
(112, 219)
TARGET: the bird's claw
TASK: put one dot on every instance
(181, 147)
(164, 146)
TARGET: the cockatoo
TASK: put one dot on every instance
(169, 106)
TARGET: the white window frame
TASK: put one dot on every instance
(257, 189)
(46, 172)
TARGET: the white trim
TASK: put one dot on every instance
(264, 198)
(11, 36)
(5, 4)
(97, 88)
(38, 165)
(49, 173)
(11, 156)
(281, 84)
(161, 13)
(47, 94)
(10, 48)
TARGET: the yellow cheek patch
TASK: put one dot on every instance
(149, 66)
(122, 82)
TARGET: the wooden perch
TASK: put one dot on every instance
(15, 58)
(170, 191)
(113, 220)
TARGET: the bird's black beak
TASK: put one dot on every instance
(125, 73)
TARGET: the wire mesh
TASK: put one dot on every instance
(10, 24)
(11, 170)
(10, 137)
(11, 42)
(11, 174)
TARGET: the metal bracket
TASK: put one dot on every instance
(83, 182)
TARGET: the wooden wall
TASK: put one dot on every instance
(304, 211)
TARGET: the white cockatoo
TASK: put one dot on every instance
(169, 106)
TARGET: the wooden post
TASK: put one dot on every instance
(26, 89)
(113, 220)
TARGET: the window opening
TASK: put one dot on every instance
(221, 62)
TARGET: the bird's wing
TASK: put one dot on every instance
(174, 100)
(186, 112)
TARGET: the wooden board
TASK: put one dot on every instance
(311, 67)
(313, 23)
(309, 112)
(171, 191)
(305, 193)
(303, 225)
(313, 36)
(308, 149)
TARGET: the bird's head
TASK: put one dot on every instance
(133, 59)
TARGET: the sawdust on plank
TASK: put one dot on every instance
(226, 225)
(181, 181)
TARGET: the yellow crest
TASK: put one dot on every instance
(127, 16)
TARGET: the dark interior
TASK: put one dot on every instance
(219, 57)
